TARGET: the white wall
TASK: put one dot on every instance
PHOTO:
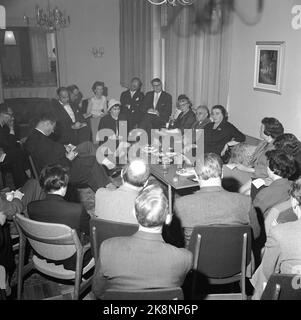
(246, 106)
(94, 23)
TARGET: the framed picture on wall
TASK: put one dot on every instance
(269, 60)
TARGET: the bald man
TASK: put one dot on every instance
(118, 205)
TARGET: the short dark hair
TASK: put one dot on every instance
(151, 206)
(222, 110)
(272, 127)
(136, 173)
(96, 84)
(47, 116)
(281, 163)
(53, 178)
(60, 89)
(156, 80)
(139, 80)
(295, 190)
(72, 87)
(288, 143)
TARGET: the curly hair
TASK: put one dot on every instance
(272, 127)
(288, 143)
(97, 84)
(281, 163)
(295, 190)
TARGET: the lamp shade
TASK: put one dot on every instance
(9, 38)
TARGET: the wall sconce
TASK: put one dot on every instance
(98, 52)
(9, 38)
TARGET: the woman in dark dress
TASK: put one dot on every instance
(221, 134)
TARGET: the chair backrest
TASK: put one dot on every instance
(150, 294)
(104, 229)
(50, 240)
(283, 287)
(220, 251)
(33, 167)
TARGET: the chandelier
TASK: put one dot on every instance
(51, 19)
(172, 2)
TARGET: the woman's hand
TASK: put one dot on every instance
(224, 149)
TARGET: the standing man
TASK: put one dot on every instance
(157, 107)
(131, 101)
(69, 128)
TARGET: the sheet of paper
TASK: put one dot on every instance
(231, 166)
(258, 183)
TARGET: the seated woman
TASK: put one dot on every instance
(288, 143)
(97, 107)
(221, 134)
(270, 129)
(186, 118)
(282, 252)
(281, 166)
(115, 122)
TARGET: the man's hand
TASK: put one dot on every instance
(71, 155)
(153, 111)
(2, 218)
(70, 147)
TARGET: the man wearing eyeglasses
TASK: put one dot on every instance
(156, 106)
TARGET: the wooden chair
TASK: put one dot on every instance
(150, 294)
(104, 229)
(283, 287)
(221, 253)
(55, 242)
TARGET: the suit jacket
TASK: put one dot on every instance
(116, 205)
(54, 209)
(185, 121)
(214, 205)
(201, 125)
(282, 249)
(282, 254)
(85, 169)
(276, 192)
(45, 151)
(164, 105)
(63, 132)
(141, 261)
(133, 113)
(8, 141)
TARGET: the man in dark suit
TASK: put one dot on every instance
(44, 151)
(131, 101)
(157, 107)
(15, 157)
(71, 127)
(143, 260)
(212, 204)
(54, 209)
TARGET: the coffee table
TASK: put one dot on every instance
(167, 177)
